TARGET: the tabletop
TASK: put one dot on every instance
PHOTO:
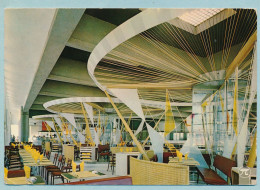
(188, 162)
(82, 175)
(23, 181)
(29, 161)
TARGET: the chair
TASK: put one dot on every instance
(104, 151)
(76, 152)
(15, 173)
(68, 168)
(166, 156)
(53, 169)
(55, 159)
(211, 177)
(57, 173)
(63, 169)
(48, 155)
(13, 161)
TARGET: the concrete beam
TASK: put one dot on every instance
(68, 70)
(43, 99)
(63, 25)
(89, 32)
(66, 90)
(37, 107)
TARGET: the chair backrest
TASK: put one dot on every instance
(224, 164)
(69, 162)
(63, 162)
(55, 158)
(103, 148)
(166, 156)
(60, 160)
(207, 159)
(15, 173)
(48, 154)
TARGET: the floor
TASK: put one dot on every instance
(102, 165)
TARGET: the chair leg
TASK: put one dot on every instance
(198, 176)
(112, 169)
(108, 166)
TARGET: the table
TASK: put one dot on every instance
(78, 176)
(188, 162)
(123, 162)
(239, 180)
(23, 181)
(29, 161)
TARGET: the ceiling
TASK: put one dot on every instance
(61, 41)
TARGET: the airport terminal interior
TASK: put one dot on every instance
(130, 96)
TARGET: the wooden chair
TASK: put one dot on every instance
(76, 152)
(48, 155)
(211, 177)
(104, 151)
(57, 173)
(63, 169)
(54, 169)
(55, 159)
(15, 173)
(13, 161)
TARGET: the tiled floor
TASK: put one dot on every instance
(101, 166)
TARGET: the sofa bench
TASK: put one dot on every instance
(119, 180)
(211, 177)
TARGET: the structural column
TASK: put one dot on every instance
(7, 128)
(24, 125)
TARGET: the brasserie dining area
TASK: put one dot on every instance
(130, 97)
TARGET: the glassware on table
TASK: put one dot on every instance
(41, 157)
(179, 155)
(186, 156)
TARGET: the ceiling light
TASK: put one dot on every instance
(198, 16)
